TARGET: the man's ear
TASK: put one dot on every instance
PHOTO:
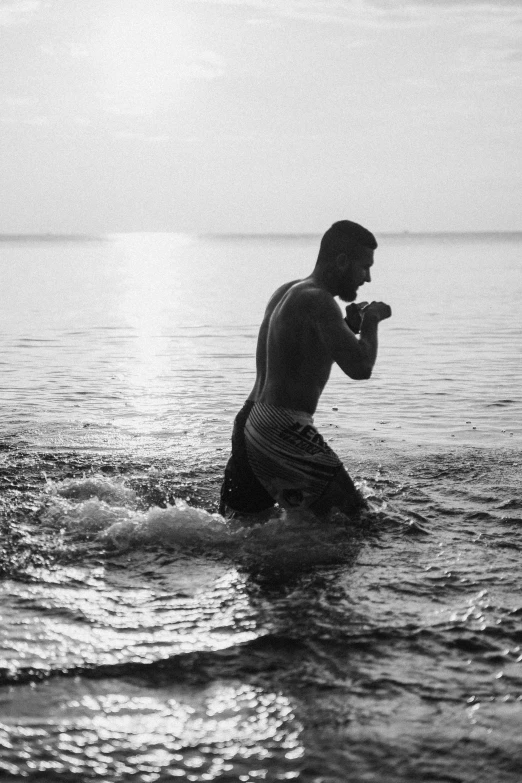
(341, 260)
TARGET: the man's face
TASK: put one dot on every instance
(354, 272)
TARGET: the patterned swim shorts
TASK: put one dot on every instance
(288, 456)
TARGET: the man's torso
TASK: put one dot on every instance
(293, 361)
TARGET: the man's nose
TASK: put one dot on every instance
(367, 277)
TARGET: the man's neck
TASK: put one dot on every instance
(322, 279)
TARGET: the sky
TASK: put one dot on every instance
(255, 116)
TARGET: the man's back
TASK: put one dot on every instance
(293, 360)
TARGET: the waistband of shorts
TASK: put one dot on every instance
(303, 416)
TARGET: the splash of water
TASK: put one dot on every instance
(108, 513)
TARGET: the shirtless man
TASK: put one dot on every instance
(277, 454)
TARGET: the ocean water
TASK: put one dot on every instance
(144, 638)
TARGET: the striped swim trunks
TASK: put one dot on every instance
(288, 456)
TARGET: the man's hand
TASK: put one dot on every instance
(354, 316)
(377, 311)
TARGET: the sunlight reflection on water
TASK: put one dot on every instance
(194, 733)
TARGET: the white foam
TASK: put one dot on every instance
(83, 518)
(111, 491)
(106, 507)
(177, 525)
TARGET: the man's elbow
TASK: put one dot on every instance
(360, 373)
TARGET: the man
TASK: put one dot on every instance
(277, 454)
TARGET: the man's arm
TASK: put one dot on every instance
(355, 356)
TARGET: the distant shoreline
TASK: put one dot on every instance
(397, 234)
(52, 238)
(48, 237)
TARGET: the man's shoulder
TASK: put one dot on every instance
(303, 300)
(282, 290)
(307, 293)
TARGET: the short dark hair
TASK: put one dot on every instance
(345, 237)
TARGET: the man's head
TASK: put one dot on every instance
(345, 257)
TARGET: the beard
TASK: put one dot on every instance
(348, 293)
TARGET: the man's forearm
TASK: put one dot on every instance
(368, 340)
(356, 355)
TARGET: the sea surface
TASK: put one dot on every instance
(143, 637)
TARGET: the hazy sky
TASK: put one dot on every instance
(259, 115)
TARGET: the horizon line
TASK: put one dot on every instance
(81, 236)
